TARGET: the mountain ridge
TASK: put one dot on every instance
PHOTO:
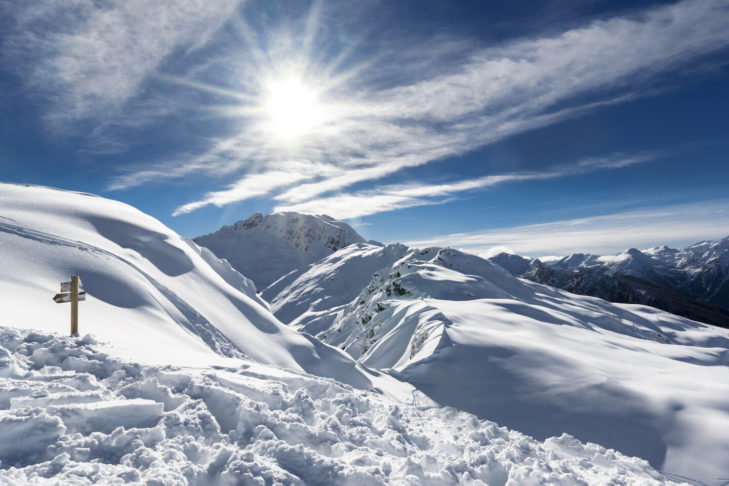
(692, 282)
(145, 285)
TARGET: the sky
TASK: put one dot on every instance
(542, 128)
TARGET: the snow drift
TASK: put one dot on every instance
(153, 295)
(71, 414)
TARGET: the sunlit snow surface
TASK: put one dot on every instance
(194, 380)
(152, 295)
(71, 414)
(530, 357)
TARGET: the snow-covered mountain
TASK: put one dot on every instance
(700, 270)
(543, 361)
(268, 247)
(693, 282)
(155, 296)
(167, 393)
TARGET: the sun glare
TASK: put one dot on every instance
(292, 109)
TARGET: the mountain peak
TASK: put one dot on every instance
(295, 239)
(254, 220)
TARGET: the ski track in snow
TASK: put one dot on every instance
(71, 414)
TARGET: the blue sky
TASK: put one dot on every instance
(540, 127)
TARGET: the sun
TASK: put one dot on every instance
(292, 108)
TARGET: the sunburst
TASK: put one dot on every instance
(291, 108)
(289, 94)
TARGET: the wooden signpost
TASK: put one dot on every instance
(71, 292)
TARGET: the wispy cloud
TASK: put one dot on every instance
(399, 196)
(253, 186)
(674, 225)
(381, 113)
(88, 59)
(485, 95)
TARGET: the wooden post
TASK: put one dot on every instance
(74, 305)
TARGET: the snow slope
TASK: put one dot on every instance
(154, 296)
(330, 284)
(533, 358)
(167, 392)
(71, 414)
(266, 248)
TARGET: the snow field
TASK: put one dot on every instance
(533, 358)
(72, 414)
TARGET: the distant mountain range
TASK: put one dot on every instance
(692, 282)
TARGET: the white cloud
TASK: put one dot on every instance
(496, 250)
(673, 225)
(89, 58)
(488, 94)
(249, 187)
(528, 76)
(400, 196)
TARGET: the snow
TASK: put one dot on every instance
(269, 247)
(332, 282)
(514, 264)
(700, 271)
(533, 358)
(152, 295)
(255, 424)
(182, 374)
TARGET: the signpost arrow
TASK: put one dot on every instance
(66, 286)
(66, 297)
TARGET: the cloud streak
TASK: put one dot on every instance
(490, 94)
(88, 59)
(400, 196)
(675, 225)
(253, 186)
(90, 62)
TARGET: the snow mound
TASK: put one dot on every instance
(468, 334)
(98, 420)
(153, 295)
(266, 248)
